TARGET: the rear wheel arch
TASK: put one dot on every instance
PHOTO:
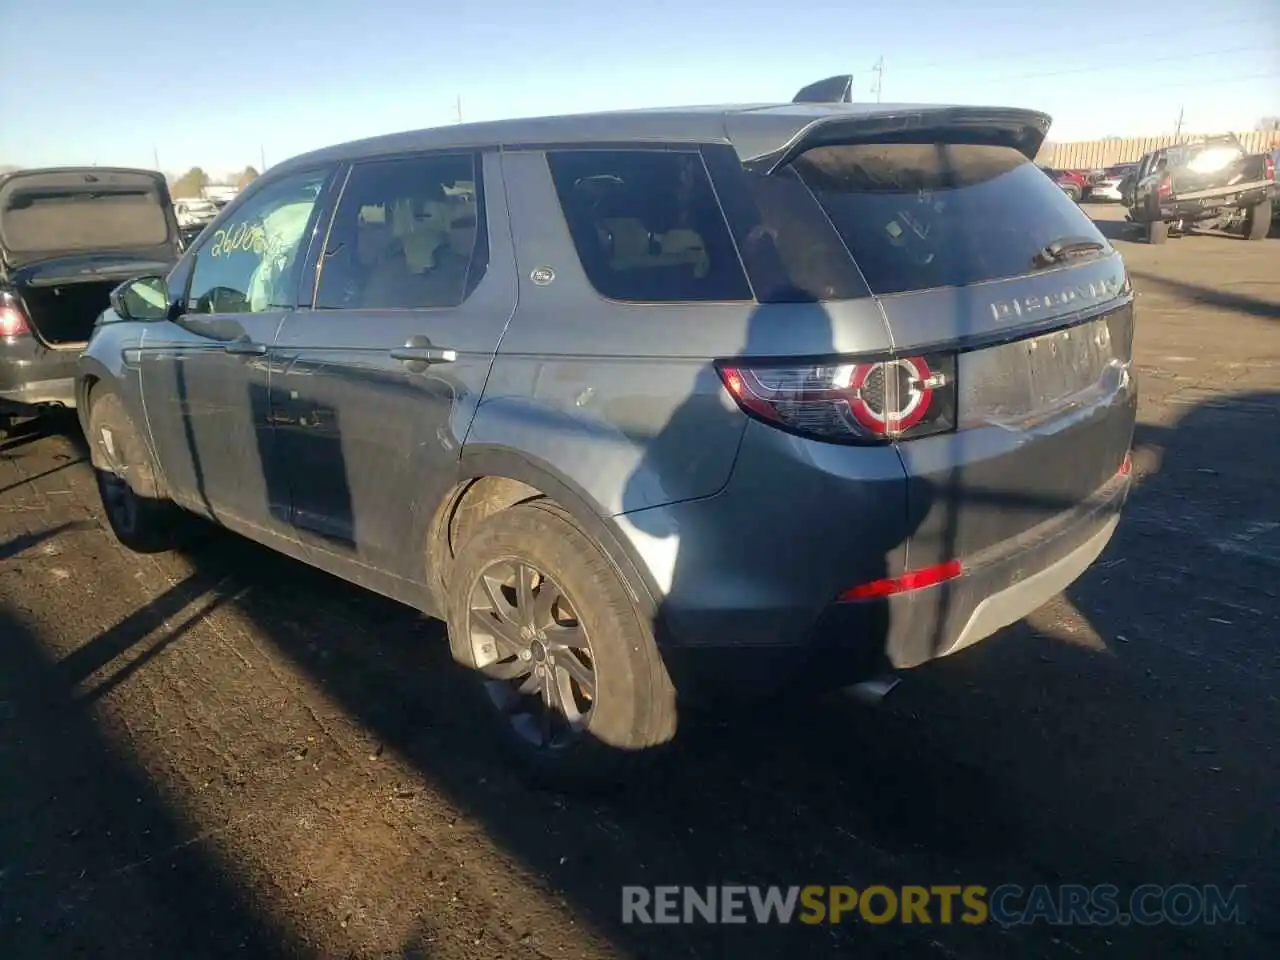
(490, 481)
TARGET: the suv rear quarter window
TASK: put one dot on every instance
(647, 226)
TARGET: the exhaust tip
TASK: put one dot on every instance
(872, 692)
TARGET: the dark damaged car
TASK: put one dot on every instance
(68, 236)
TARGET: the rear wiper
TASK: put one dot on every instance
(1065, 248)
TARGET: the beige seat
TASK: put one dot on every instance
(684, 247)
(628, 243)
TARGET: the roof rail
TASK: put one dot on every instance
(837, 89)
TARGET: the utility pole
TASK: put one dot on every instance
(262, 158)
(878, 70)
(458, 107)
(1177, 131)
(155, 156)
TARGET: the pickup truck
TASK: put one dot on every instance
(68, 237)
(1211, 179)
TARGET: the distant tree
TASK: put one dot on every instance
(190, 184)
(246, 177)
(1268, 124)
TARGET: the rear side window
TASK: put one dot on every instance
(918, 216)
(647, 225)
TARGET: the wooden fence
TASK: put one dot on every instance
(1091, 154)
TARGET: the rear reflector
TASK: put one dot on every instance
(1126, 465)
(914, 580)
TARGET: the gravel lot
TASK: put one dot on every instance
(227, 753)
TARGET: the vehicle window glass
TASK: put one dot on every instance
(248, 265)
(919, 216)
(647, 226)
(407, 234)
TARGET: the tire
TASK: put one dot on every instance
(624, 716)
(1257, 222)
(1073, 192)
(140, 517)
(1157, 231)
(6, 424)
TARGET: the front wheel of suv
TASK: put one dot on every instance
(143, 522)
(564, 665)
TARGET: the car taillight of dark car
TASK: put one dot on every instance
(848, 401)
(13, 319)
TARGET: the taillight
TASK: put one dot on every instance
(1165, 188)
(13, 320)
(1270, 164)
(851, 402)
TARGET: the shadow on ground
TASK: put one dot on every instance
(1209, 297)
(93, 861)
(1142, 754)
(1034, 757)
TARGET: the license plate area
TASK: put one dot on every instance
(1019, 384)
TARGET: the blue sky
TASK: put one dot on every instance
(216, 83)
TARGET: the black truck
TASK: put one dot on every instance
(68, 236)
(1207, 181)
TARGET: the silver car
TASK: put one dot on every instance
(648, 406)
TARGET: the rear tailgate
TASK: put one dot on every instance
(951, 237)
(46, 214)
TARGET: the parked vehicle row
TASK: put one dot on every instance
(1204, 181)
(1207, 181)
(648, 407)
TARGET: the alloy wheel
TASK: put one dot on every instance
(535, 655)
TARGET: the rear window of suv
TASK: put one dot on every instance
(647, 226)
(918, 216)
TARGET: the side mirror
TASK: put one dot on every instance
(143, 298)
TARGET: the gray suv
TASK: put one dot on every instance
(647, 406)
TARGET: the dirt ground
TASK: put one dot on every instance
(225, 753)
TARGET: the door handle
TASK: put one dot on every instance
(418, 352)
(424, 355)
(244, 347)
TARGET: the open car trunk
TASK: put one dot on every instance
(69, 235)
(63, 315)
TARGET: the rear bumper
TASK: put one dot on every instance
(999, 586)
(32, 375)
(1204, 207)
(851, 642)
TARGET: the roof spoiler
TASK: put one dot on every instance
(838, 89)
(1024, 130)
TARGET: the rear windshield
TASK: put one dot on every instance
(918, 216)
(89, 217)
